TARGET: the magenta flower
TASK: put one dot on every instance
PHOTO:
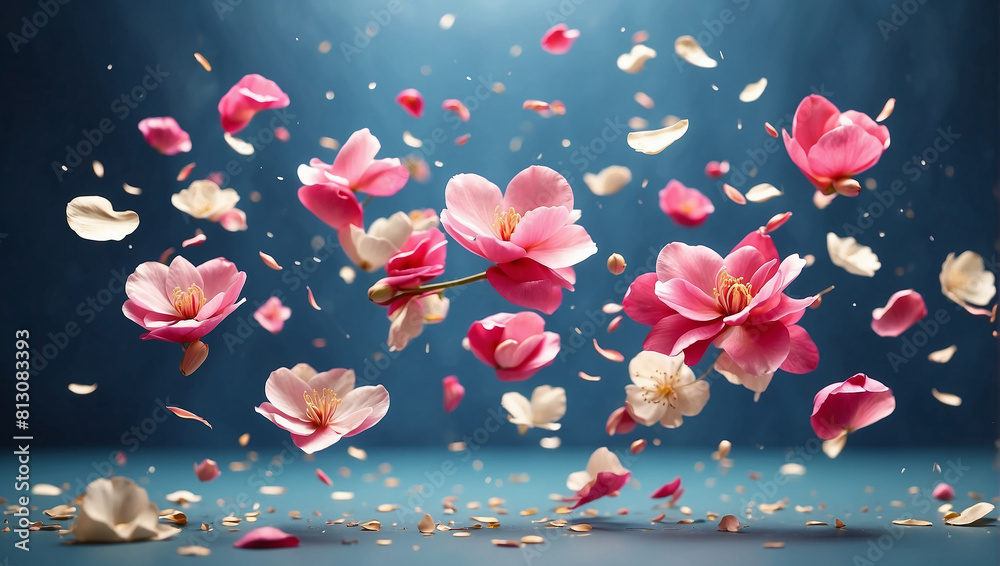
(687, 207)
(328, 190)
(696, 298)
(272, 315)
(165, 135)
(420, 259)
(182, 303)
(604, 475)
(516, 345)
(840, 408)
(830, 147)
(559, 39)
(533, 220)
(319, 409)
(904, 309)
(252, 94)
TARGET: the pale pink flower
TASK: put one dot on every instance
(844, 407)
(533, 220)
(272, 315)
(559, 39)
(420, 259)
(182, 303)
(207, 470)
(515, 345)
(165, 135)
(697, 298)
(904, 309)
(328, 190)
(830, 146)
(321, 409)
(453, 393)
(685, 206)
(252, 94)
(604, 475)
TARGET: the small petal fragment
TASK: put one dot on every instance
(185, 414)
(729, 523)
(412, 101)
(634, 61)
(267, 537)
(890, 105)
(652, 142)
(752, 91)
(733, 194)
(972, 514)
(942, 356)
(80, 389)
(762, 193)
(269, 261)
(609, 180)
(688, 48)
(454, 392)
(949, 399)
(904, 309)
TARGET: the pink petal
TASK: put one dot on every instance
(526, 283)
(675, 334)
(354, 158)
(535, 187)
(777, 221)
(334, 204)
(642, 304)
(284, 390)
(716, 169)
(811, 120)
(567, 247)
(165, 135)
(520, 326)
(803, 355)
(471, 201)
(687, 300)
(538, 225)
(850, 405)
(667, 489)
(758, 349)
(696, 264)
(844, 151)
(879, 131)
(285, 422)
(510, 354)
(185, 414)
(801, 160)
(272, 315)
(686, 206)
(383, 178)
(323, 477)
(903, 310)
(146, 287)
(620, 422)
(559, 39)
(181, 275)
(606, 483)
(375, 398)
(220, 275)
(252, 94)
(267, 537)
(456, 106)
(453, 393)
(233, 220)
(412, 101)
(733, 194)
(943, 492)
(207, 470)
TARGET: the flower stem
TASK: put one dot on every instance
(423, 289)
(710, 368)
(825, 291)
(367, 200)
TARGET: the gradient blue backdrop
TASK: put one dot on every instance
(940, 63)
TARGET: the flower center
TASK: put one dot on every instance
(662, 392)
(321, 406)
(505, 222)
(188, 303)
(732, 294)
(957, 279)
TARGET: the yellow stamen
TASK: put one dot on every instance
(188, 303)
(663, 391)
(505, 222)
(732, 294)
(321, 406)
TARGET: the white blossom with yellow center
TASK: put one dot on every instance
(664, 390)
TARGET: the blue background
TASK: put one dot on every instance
(940, 63)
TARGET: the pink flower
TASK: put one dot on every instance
(272, 315)
(696, 298)
(830, 147)
(527, 283)
(844, 407)
(453, 393)
(321, 409)
(412, 101)
(620, 422)
(207, 470)
(559, 39)
(604, 475)
(267, 537)
(421, 259)
(516, 345)
(165, 135)
(904, 309)
(182, 303)
(687, 207)
(251, 95)
(329, 189)
(533, 220)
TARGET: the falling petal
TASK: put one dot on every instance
(98, 169)
(588, 377)
(131, 190)
(185, 414)
(312, 299)
(282, 134)
(792, 469)
(462, 139)
(93, 218)
(613, 325)
(912, 523)
(81, 389)
(890, 105)
(638, 446)
(453, 393)
(559, 39)
(634, 61)
(770, 130)
(733, 194)
(611, 308)
(456, 106)
(852, 256)
(239, 146)
(652, 142)
(185, 171)
(348, 274)
(269, 261)
(357, 453)
(198, 239)
(762, 193)
(904, 309)
(446, 21)
(942, 356)
(550, 442)
(323, 477)
(777, 221)
(609, 180)
(943, 492)
(411, 140)
(723, 451)
(833, 447)
(688, 48)
(949, 399)
(644, 100)
(666, 490)
(752, 91)
(716, 169)
(612, 355)
(202, 61)
(412, 101)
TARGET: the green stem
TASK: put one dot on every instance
(423, 289)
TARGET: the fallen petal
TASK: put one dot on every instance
(949, 399)
(267, 537)
(729, 523)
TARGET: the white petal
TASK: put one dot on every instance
(548, 405)
(604, 460)
(633, 61)
(609, 180)
(688, 48)
(753, 91)
(852, 256)
(93, 218)
(652, 142)
(519, 408)
(762, 193)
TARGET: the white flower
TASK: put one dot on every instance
(664, 389)
(965, 279)
(118, 510)
(852, 256)
(602, 460)
(204, 199)
(547, 405)
(408, 322)
(371, 250)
